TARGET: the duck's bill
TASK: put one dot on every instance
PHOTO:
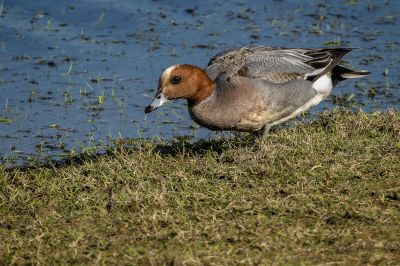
(159, 100)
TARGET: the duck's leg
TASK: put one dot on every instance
(262, 135)
(265, 130)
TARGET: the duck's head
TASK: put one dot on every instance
(181, 82)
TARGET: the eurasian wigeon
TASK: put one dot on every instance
(254, 87)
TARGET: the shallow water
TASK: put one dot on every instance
(75, 74)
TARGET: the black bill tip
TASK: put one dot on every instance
(148, 109)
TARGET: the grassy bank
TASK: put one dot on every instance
(325, 192)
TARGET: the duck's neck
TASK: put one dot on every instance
(205, 87)
(202, 94)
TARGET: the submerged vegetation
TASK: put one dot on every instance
(327, 192)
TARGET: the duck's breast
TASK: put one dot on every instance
(235, 106)
(245, 104)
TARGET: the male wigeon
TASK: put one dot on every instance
(254, 87)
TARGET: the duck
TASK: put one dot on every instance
(253, 88)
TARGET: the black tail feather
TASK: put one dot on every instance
(325, 59)
(340, 73)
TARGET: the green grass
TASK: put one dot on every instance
(327, 192)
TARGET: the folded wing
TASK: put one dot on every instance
(277, 65)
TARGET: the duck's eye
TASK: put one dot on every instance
(175, 79)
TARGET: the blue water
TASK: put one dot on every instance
(75, 74)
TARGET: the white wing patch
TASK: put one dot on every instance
(314, 73)
(323, 85)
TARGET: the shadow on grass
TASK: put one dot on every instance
(201, 147)
(174, 147)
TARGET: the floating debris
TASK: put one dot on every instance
(5, 120)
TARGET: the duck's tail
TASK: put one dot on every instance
(340, 73)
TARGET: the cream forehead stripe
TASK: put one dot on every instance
(168, 71)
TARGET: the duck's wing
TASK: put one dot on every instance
(275, 64)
